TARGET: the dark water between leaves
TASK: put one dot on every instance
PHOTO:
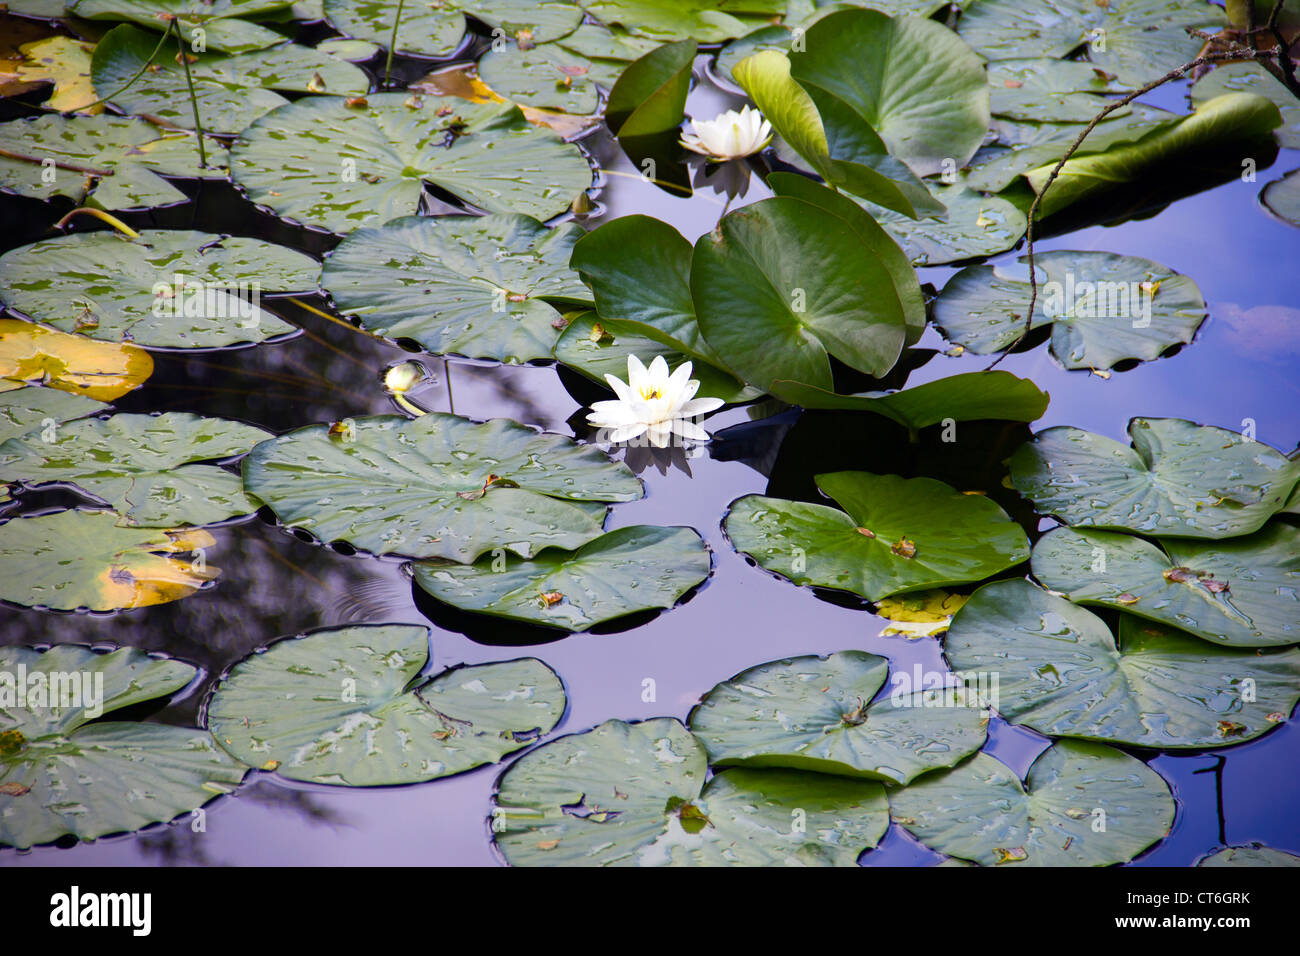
(1242, 366)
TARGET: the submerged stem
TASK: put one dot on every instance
(392, 43)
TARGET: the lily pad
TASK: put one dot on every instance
(634, 794)
(110, 162)
(218, 22)
(1058, 91)
(649, 98)
(966, 396)
(1252, 78)
(895, 535)
(70, 363)
(560, 76)
(1282, 198)
(231, 90)
(437, 30)
(480, 286)
(1244, 592)
(915, 81)
(1252, 854)
(352, 706)
(61, 62)
(1179, 479)
(167, 289)
(597, 347)
(976, 225)
(1137, 40)
(920, 614)
(28, 409)
(1103, 307)
(142, 466)
(632, 569)
(708, 21)
(1082, 804)
(84, 559)
(816, 713)
(438, 486)
(1061, 673)
(779, 287)
(325, 163)
(68, 776)
(1222, 123)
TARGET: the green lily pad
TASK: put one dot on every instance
(1179, 479)
(634, 794)
(1058, 91)
(438, 486)
(142, 466)
(916, 82)
(84, 559)
(231, 90)
(816, 713)
(1221, 123)
(351, 706)
(219, 21)
(327, 164)
(108, 287)
(708, 21)
(779, 287)
(895, 535)
(632, 569)
(1061, 673)
(63, 775)
(1282, 198)
(1082, 804)
(1252, 854)
(649, 98)
(1138, 40)
(480, 286)
(596, 347)
(437, 30)
(1023, 146)
(1103, 307)
(966, 396)
(34, 407)
(832, 136)
(976, 225)
(133, 155)
(1244, 592)
(1252, 78)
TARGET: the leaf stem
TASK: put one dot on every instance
(392, 42)
(99, 214)
(194, 102)
(129, 83)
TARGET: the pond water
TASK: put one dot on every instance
(1241, 366)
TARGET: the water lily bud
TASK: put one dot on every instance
(404, 377)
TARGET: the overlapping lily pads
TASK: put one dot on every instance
(62, 774)
(708, 21)
(231, 90)
(629, 794)
(1043, 89)
(895, 535)
(170, 288)
(439, 486)
(1103, 307)
(480, 286)
(1061, 673)
(817, 713)
(1083, 804)
(111, 162)
(69, 363)
(85, 559)
(61, 62)
(1138, 40)
(218, 23)
(351, 706)
(143, 466)
(1244, 592)
(1252, 78)
(437, 30)
(325, 163)
(913, 80)
(1178, 479)
(1252, 854)
(637, 568)
(974, 225)
(778, 289)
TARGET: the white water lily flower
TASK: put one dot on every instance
(653, 403)
(730, 136)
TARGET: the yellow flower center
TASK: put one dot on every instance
(650, 393)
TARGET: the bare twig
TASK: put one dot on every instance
(1283, 53)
